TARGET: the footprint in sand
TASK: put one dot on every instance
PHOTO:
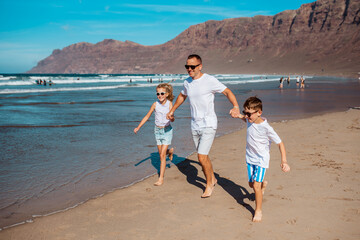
(292, 221)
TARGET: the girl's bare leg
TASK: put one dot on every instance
(162, 152)
(170, 153)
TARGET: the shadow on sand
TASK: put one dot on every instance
(155, 161)
(187, 167)
(239, 193)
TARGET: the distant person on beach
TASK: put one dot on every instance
(288, 80)
(302, 84)
(163, 129)
(281, 82)
(258, 138)
(201, 88)
(297, 81)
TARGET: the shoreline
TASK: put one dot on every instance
(36, 216)
(196, 179)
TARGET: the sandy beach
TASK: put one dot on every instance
(318, 199)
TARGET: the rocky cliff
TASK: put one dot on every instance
(322, 37)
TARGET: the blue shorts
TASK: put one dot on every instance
(203, 140)
(255, 173)
(164, 135)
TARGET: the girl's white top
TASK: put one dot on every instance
(160, 114)
(258, 140)
(201, 96)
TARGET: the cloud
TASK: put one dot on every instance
(209, 10)
(66, 27)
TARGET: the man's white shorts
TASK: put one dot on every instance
(203, 140)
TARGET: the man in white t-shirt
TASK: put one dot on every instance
(201, 88)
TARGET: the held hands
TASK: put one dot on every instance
(170, 116)
(285, 167)
(235, 112)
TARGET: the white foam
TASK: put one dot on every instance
(39, 77)
(7, 78)
(16, 83)
(50, 89)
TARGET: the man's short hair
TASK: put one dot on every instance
(253, 103)
(195, 56)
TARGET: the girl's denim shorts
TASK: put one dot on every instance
(164, 135)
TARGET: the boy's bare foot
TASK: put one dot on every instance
(263, 186)
(171, 154)
(257, 216)
(159, 182)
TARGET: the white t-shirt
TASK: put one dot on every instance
(201, 93)
(160, 114)
(258, 141)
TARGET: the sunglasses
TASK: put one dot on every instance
(191, 66)
(160, 93)
(248, 114)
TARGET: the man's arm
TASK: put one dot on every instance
(180, 99)
(235, 111)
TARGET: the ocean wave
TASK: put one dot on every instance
(251, 81)
(16, 83)
(12, 91)
(40, 126)
(113, 82)
(58, 89)
(63, 103)
(7, 78)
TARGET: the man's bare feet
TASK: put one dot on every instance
(208, 190)
(214, 180)
(171, 154)
(159, 182)
(263, 186)
(257, 216)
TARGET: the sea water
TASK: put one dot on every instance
(73, 140)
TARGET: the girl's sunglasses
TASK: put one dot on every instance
(160, 93)
(248, 114)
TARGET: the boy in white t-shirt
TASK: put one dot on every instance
(259, 136)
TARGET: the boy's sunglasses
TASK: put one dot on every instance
(160, 93)
(248, 114)
(191, 66)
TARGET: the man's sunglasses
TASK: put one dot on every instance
(191, 66)
(248, 114)
(160, 93)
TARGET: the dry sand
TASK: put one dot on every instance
(318, 199)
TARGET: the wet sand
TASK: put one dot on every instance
(318, 199)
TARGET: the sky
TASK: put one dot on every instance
(31, 29)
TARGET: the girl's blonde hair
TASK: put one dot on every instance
(169, 90)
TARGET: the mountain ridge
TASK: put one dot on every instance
(318, 38)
